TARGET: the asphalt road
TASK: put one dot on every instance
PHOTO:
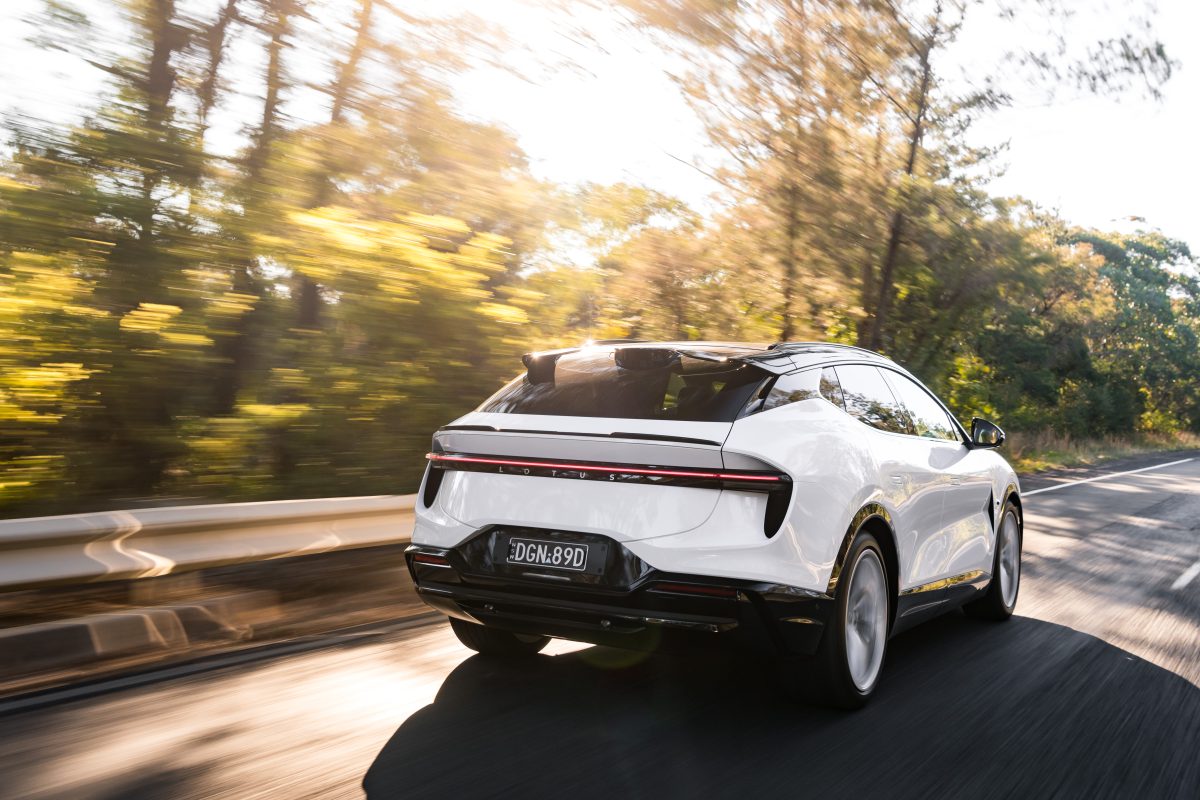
(1091, 691)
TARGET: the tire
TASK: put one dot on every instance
(849, 661)
(495, 642)
(1000, 598)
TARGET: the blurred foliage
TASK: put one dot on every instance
(295, 319)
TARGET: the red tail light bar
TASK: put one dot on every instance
(627, 473)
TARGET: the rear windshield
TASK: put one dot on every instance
(592, 384)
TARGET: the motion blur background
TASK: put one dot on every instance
(260, 249)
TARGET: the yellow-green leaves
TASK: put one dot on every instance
(149, 318)
(164, 323)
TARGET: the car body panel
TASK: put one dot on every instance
(622, 511)
(968, 525)
(587, 503)
(581, 447)
(806, 439)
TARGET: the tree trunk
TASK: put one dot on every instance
(158, 84)
(279, 24)
(886, 287)
(791, 232)
(236, 351)
(215, 37)
(140, 427)
(867, 269)
(348, 74)
(791, 190)
(344, 85)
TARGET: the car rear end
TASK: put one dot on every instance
(591, 499)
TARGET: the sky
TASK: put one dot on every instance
(1096, 160)
(616, 116)
(1100, 160)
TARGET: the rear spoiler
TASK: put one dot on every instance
(540, 365)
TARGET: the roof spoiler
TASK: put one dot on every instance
(540, 365)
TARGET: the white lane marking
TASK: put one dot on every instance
(1187, 576)
(1106, 477)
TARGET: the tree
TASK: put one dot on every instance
(796, 93)
(170, 361)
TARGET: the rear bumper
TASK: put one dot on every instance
(645, 610)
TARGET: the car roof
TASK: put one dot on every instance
(715, 348)
(800, 354)
(806, 353)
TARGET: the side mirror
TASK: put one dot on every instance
(985, 434)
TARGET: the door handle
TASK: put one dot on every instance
(898, 479)
(955, 481)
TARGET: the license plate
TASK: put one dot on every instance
(540, 553)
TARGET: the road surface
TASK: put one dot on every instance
(1091, 691)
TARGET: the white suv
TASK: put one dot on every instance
(805, 501)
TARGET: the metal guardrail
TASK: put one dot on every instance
(119, 545)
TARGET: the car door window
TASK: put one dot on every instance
(868, 398)
(928, 417)
(805, 385)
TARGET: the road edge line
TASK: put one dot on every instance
(1186, 577)
(1106, 477)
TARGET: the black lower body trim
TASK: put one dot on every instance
(655, 610)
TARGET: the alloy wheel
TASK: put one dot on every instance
(1010, 560)
(866, 620)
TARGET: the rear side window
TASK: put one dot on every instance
(929, 419)
(869, 400)
(591, 383)
(805, 385)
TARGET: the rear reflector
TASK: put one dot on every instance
(427, 558)
(689, 588)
